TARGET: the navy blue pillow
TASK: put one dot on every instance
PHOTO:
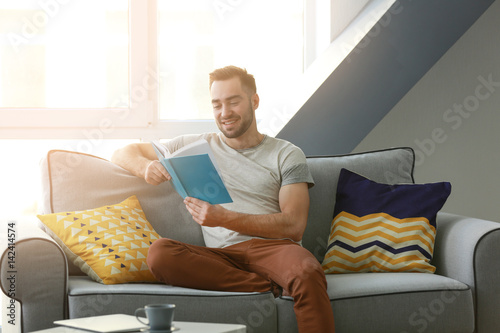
(380, 227)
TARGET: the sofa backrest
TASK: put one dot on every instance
(75, 181)
(389, 166)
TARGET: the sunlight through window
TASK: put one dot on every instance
(197, 36)
(63, 54)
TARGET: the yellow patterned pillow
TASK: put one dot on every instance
(110, 244)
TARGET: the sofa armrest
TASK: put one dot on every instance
(34, 273)
(468, 249)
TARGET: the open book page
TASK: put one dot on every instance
(194, 172)
(161, 150)
(198, 147)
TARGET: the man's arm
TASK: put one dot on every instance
(289, 223)
(141, 160)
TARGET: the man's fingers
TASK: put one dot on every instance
(156, 173)
(194, 201)
(193, 212)
(191, 205)
(160, 172)
(155, 179)
(164, 173)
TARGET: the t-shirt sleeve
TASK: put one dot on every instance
(295, 169)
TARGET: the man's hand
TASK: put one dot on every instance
(140, 159)
(155, 173)
(289, 223)
(204, 213)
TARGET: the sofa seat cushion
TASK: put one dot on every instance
(370, 284)
(89, 298)
(80, 285)
(395, 302)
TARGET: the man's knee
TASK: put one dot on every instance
(162, 255)
(159, 253)
(305, 270)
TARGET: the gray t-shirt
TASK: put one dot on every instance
(252, 176)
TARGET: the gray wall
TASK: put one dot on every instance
(451, 117)
(386, 64)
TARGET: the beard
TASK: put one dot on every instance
(245, 123)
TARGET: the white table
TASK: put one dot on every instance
(183, 327)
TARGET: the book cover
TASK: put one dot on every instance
(194, 172)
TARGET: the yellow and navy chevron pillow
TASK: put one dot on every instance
(383, 228)
(110, 244)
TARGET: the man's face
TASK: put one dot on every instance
(233, 108)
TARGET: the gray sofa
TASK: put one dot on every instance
(462, 296)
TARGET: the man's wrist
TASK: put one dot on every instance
(144, 165)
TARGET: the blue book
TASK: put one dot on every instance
(194, 172)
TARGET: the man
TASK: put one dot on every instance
(253, 242)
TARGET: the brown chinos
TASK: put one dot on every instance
(255, 265)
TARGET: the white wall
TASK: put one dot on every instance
(452, 120)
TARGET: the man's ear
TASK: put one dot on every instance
(255, 101)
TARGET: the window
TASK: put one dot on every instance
(136, 68)
(63, 56)
(196, 36)
(64, 64)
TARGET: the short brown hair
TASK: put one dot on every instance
(228, 72)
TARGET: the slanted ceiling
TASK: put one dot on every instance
(384, 66)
